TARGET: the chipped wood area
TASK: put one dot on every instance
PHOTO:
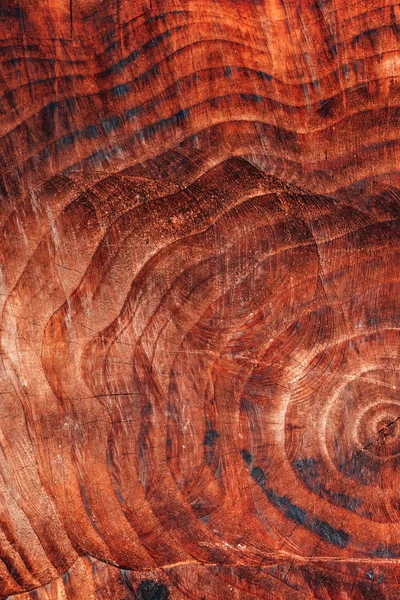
(199, 292)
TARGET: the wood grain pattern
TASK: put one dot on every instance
(199, 292)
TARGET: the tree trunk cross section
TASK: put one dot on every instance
(199, 300)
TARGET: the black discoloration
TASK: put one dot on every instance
(214, 102)
(389, 551)
(330, 534)
(48, 119)
(120, 65)
(111, 47)
(325, 585)
(333, 49)
(228, 71)
(369, 34)
(66, 140)
(263, 75)
(291, 511)
(258, 475)
(295, 513)
(326, 108)
(210, 438)
(306, 467)
(284, 136)
(369, 591)
(134, 113)
(307, 470)
(343, 500)
(319, 6)
(144, 78)
(251, 72)
(363, 468)
(101, 156)
(92, 132)
(203, 509)
(70, 104)
(211, 435)
(66, 577)
(252, 98)
(17, 60)
(120, 90)
(133, 56)
(111, 124)
(322, 583)
(151, 590)
(345, 70)
(126, 580)
(50, 109)
(396, 28)
(14, 572)
(156, 41)
(370, 575)
(173, 121)
(247, 456)
(10, 12)
(245, 405)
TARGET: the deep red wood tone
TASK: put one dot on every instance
(199, 293)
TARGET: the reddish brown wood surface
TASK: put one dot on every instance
(199, 296)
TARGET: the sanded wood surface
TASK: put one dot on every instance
(199, 290)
